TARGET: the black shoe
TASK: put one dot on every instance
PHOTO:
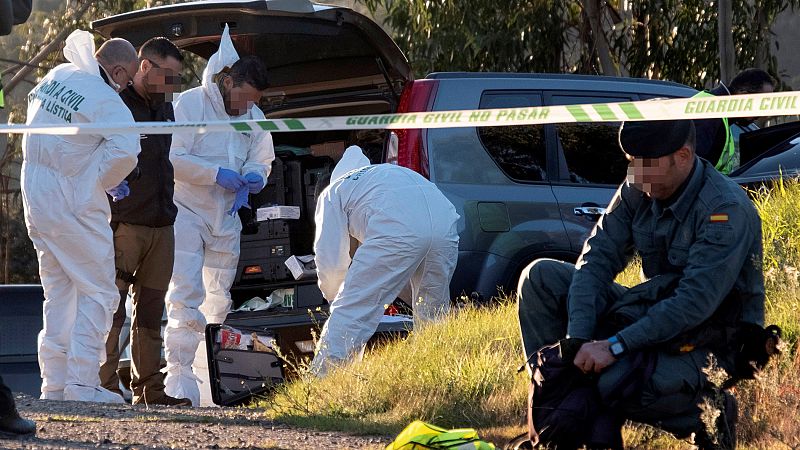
(14, 426)
(164, 400)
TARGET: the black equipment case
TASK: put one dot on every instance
(238, 375)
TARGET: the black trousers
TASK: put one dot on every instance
(6, 399)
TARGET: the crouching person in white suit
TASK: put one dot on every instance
(407, 234)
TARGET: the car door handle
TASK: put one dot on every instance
(589, 211)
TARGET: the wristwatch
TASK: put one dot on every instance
(617, 347)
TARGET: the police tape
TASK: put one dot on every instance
(750, 105)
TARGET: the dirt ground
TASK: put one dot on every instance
(79, 425)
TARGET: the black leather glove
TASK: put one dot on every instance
(754, 346)
(569, 348)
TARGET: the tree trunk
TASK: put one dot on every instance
(594, 13)
(727, 55)
(49, 48)
(763, 38)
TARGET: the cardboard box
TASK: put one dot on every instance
(277, 212)
(301, 266)
(333, 149)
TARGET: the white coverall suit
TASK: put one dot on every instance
(206, 237)
(407, 231)
(64, 179)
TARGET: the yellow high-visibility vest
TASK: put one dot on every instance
(420, 435)
(728, 156)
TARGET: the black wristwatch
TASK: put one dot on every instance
(617, 347)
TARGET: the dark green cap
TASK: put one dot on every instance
(654, 138)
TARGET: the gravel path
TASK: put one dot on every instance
(79, 425)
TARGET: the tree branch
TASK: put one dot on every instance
(44, 52)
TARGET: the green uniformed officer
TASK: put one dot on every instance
(688, 223)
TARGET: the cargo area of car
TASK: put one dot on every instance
(301, 170)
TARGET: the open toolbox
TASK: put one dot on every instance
(243, 356)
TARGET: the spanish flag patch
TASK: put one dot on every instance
(718, 218)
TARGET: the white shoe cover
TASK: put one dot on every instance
(52, 395)
(91, 394)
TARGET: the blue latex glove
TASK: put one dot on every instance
(241, 200)
(120, 191)
(230, 180)
(254, 182)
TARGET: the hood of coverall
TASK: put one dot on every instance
(225, 56)
(352, 159)
(79, 50)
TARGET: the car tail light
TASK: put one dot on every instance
(417, 97)
(391, 310)
(252, 270)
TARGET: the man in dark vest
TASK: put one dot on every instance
(144, 243)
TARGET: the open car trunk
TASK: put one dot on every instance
(315, 54)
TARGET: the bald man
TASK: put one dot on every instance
(64, 185)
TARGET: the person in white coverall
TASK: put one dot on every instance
(407, 233)
(214, 172)
(64, 184)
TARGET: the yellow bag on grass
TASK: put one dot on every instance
(420, 435)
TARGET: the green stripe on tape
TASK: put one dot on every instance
(631, 111)
(240, 126)
(605, 112)
(267, 125)
(294, 124)
(578, 113)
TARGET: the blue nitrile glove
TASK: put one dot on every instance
(120, 191)
(230, 180)
(241, 200)
(254, 182)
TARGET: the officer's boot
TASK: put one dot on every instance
(13, 426)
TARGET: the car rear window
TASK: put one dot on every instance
(591, 149)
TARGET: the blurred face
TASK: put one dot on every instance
(161, 77)
(659, 178)
(766, 88)
(239, 99)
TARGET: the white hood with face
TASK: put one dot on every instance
(352, 159)
(79, 50)
(225, 56)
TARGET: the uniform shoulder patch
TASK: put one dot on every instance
(718, 218)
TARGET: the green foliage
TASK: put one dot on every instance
(469, 35)
(661, 39)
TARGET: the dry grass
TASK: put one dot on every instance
(463, 372)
